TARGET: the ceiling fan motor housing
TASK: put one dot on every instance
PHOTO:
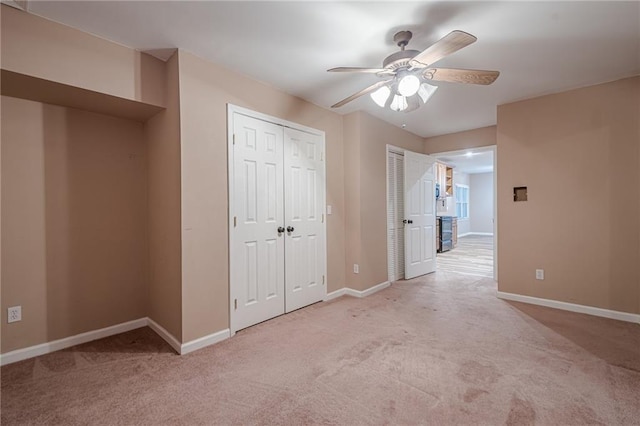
(399, 59)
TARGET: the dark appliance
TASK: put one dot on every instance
(446, 234)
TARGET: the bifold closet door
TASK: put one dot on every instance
(305, 253)
(257, 252)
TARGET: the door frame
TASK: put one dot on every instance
(494, 150)
(231, 110)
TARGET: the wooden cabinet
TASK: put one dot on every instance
(444, 176)
(449, 181)
(454, 231)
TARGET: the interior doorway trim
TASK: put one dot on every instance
(231, 111)
(493, 149)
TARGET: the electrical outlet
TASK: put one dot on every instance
(356, 268)
(14, 314)
(539, 274)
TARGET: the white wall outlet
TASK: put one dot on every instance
(14, 314)
(539, 274)
(356, 268)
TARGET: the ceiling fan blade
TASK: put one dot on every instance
(447, 45)
(362, 70)
(369, 89)
(454, 75)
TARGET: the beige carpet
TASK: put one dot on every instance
(436, 350)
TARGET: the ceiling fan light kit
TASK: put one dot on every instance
(408, 84)
(405, 88)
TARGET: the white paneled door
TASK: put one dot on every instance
(304, 218)
(277, 235)
(420, 215)
(257, 252)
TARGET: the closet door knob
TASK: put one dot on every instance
(280, 230)
(290, 229)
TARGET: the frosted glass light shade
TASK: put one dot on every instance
(426, 91)
(381, 95)
(399, 103)
(408, 85)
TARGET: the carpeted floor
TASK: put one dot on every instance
(439, 349)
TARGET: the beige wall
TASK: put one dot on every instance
(74, 250)
(41, 48)
(484, 136)
(481, 202)
(578, 154)
(162, 133)
(205, 90)
(353, 235)
(367, 150)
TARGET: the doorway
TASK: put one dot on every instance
(473, 206)
(411, 214)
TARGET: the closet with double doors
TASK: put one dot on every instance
(277, 229)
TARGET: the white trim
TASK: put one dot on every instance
(582, 309)
(202, 342)
(162, 332)
(356, 293)
(368, 292)
(231, 108)
(335, 294)
(488, 234)
(89, 336)
(78, 339)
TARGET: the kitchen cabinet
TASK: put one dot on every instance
(444, 176)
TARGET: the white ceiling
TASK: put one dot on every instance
(478, 160)
(539, 47)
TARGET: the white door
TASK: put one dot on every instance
(420, 214)
(257, 249)
(304, 218)
(395, 215)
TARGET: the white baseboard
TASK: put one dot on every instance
(202, 342)
(89, 336)
(582, 309)
(488, 234)
(67, 342)
(162, 332)
(335, 294)
(369, 291)
(356, 293)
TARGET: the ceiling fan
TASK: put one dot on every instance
(407, 72)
